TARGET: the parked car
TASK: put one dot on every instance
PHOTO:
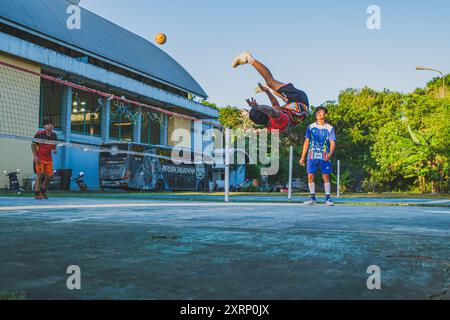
(277, 187)
(299, 186)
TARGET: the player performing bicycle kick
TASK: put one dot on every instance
(282, 118)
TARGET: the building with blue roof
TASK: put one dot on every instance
(100, 55)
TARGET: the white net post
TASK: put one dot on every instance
(291, 164)
(227, 165)
(338, 178)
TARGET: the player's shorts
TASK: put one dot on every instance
(283, 123)
(314, 164)
(44, 168)
(293, 94)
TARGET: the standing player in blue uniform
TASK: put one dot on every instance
(319, 145)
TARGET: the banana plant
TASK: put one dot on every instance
(423, 160)
(344, 181)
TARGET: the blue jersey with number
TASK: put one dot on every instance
(319, 140)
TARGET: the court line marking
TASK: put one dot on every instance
(165, 204)
(146, 205)
(446, 212)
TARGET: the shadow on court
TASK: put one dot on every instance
(199, 250)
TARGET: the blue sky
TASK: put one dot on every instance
(321, 46)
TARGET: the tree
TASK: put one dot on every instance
(386, 140)
(230, 117)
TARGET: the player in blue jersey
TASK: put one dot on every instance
(319, 146)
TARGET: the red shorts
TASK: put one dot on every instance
(44, 168)
(282, 123)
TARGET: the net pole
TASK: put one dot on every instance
(338, 178)
(291, 164)
(227, 165)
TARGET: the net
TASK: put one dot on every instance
(97, 122)
(23, 94)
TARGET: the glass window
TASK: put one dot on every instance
(86, 113)
(176, 123)
(151, 128)
(121, 122)
(51, 102)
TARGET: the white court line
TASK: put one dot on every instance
(147, 205)
(447, 212)
(438, 201)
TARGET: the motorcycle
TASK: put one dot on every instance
(55, 183)
(79, 180)
(14, 184)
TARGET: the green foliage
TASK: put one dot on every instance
(210, 104)
(251, 189)
(436, 85)
(12, 296)
(253, 172)
(231, 117)
(392, 141)
(386, 141)
(344, 181)
(415, 148)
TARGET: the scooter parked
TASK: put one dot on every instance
(79, 180)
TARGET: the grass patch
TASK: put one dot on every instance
(152, 195)
(12, 296)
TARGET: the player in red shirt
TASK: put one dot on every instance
(271, 118)
(292, 113)
(43, 160)
(276, 117)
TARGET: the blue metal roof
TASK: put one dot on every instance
(99, 37)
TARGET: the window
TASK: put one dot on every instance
(121, 122)
(151, 128)
(51, 102)
(86, 113)
(176, 123)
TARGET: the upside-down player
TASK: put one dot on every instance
(277, 117)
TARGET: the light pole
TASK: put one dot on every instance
(421, 68)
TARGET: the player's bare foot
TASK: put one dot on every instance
(244, 58)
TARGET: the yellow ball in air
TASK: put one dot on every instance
(161, 38)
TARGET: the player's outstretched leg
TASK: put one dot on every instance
(247, 58)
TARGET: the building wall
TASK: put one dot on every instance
(19, 110)
(80, 161)
(237, 175)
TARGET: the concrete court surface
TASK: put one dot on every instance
(202, 250)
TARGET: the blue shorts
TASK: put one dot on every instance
(314, 164)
